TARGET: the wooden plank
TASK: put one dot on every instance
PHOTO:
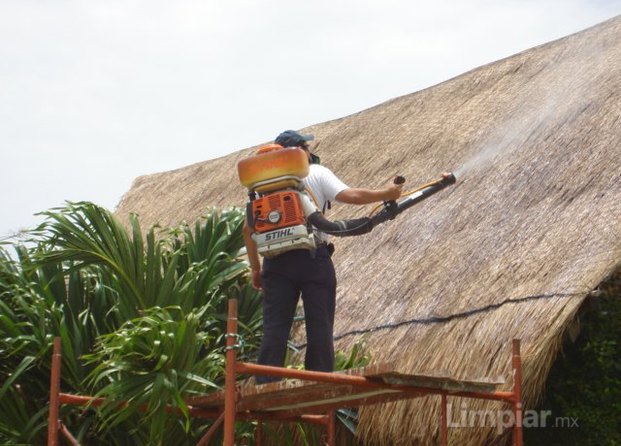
(248, 388)
(352, 401)
(297, 396)
(306, 396)
(212, 400)
(442, 382)
(321, 403)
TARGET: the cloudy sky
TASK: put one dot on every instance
(94, 93)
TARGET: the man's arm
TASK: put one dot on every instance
(366, 196)
(253, 255)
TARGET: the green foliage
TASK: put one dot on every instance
(142, 322)
(585, 383)
(141, 318)
(357, 357)
(157, 358)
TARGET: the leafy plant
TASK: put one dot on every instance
(142, 321)
(141, 318)
(585, 382)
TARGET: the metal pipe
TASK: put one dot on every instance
(53, 420)
(70, 438)
(331, 429)
(314, 419)
(258, 434)
(517, 393)
(204, 441)
(393, 209)
(80, 400)
(203, 413)
(230, 391)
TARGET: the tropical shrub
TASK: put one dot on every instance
(583, 390)
(141, 320)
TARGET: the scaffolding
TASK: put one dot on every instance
(305, 396)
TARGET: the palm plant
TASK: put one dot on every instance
(34, 307)
(141, 320)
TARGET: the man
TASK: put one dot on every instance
(301, 271)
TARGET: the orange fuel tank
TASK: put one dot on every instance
(277, 210)
(272, 162)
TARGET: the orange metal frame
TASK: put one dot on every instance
(230, 413)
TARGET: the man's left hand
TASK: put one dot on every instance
(256, 279)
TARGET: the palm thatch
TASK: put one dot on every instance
(511, 251)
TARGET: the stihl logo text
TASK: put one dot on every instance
(278, 234)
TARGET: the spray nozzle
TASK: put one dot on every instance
(448, 178)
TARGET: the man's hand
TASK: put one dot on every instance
(253, 256)
(256, 279)
(393, 192)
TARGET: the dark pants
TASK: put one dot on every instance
(284, 278)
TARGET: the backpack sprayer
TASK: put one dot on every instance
(283, 214)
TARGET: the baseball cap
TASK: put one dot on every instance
(291, 138)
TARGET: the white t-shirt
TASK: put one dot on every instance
(325, 186)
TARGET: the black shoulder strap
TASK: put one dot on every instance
(326, 204)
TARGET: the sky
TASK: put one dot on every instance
(94, 93)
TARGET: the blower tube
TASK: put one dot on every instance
(364, 225)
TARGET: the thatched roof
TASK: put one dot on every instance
(512, 250)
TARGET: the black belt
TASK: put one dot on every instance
(328, 246)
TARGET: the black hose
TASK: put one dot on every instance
(340, 228)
